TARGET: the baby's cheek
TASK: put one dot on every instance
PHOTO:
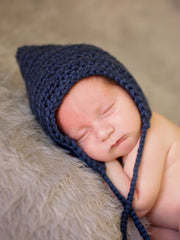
(85, 147)
(90, 149)
(94, 150)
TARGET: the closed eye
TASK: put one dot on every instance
(82, 136)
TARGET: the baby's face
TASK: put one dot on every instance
(101, 117)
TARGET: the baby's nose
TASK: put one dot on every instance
(103, 133)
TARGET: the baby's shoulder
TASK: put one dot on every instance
(164, 137)
(163, 129)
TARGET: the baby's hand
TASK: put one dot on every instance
(118, 177)
(122, 182)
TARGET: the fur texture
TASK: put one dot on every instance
(46, 194)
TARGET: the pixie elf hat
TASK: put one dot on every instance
(49, 71)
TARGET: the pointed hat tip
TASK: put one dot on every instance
(22, 51)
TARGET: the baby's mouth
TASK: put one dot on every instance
(118, 142)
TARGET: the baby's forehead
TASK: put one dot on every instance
(93, 80)
(88, 89)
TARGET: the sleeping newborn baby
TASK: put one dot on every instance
(90, 105)
(104, 121)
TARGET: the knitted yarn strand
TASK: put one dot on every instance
(132, 213)
(128, 205)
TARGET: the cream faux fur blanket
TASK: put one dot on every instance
(44, 193)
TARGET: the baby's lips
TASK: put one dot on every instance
(118, 142)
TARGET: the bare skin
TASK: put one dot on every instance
(110, 128)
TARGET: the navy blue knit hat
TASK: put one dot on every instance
(50, 71)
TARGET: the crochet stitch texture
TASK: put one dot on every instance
(49, 71)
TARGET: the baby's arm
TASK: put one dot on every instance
(150, 172)
(152, 167)
(118, 177)
(147, 187)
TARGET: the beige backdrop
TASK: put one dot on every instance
(144, 35)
